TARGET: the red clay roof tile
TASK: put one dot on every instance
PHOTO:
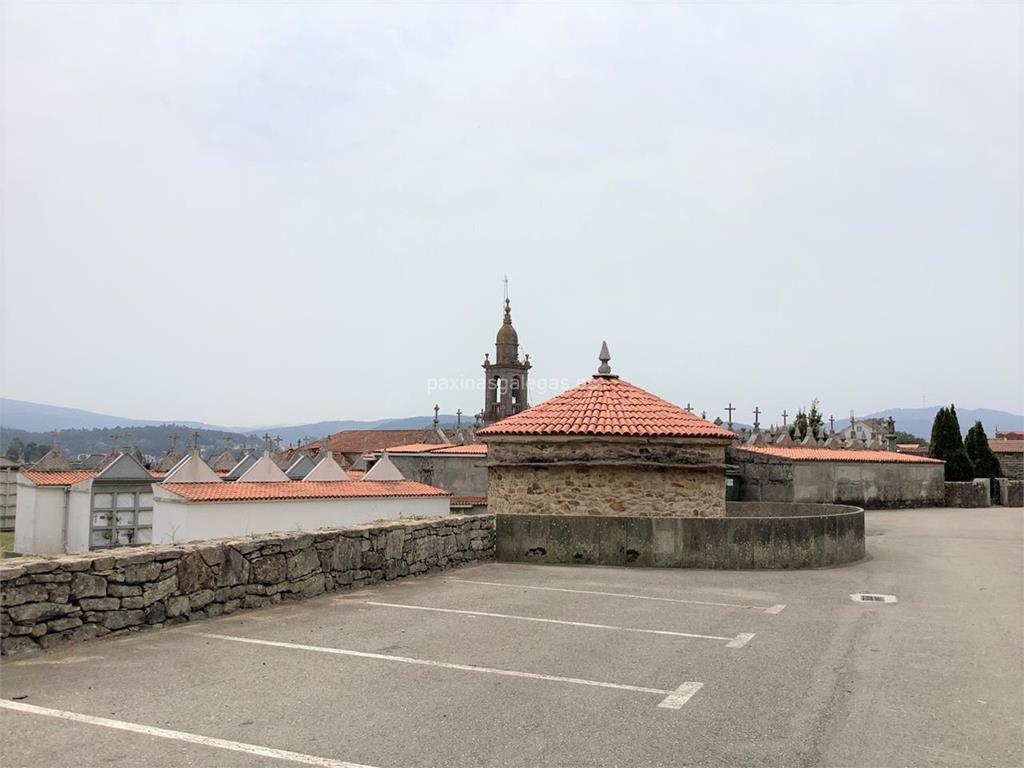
(797, 453)
(607, 406)
(298, 489)
(69, 477)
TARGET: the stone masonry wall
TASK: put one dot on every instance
(606, 490)
(970, 494)
(1012, 465)
(584, 449)
(49, 602)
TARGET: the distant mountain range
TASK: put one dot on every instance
(918, 421)
(23, 416)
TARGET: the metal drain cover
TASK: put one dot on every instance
(869, 597)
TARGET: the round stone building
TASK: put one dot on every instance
(606, 448)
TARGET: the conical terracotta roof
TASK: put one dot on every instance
(607, 405)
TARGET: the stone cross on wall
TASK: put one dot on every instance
(174, 442)
(266, 441)
(458, 419)
(277, 441)
(757, 415)
(437, 421)
(784, 417)
(831, 425)
(195, 440)
(730, 409)
(688, 408)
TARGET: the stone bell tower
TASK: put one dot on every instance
(506, 390)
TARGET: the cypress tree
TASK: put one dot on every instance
(980, 452)
(948, 445)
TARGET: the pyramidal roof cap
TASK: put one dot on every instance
(53, 460)
(265, 470)
(192, 469)
(607, 405)
(327, 470)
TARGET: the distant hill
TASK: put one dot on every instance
(918, 421)
(37, 417)
(291, 434)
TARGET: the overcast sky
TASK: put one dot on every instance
(295, 212)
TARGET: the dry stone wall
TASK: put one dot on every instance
(47, 603)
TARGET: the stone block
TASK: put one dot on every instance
(100, 603)
(178, 605)
(303, 562)
(269, 570)
(194, 574)
(29, 613)
(59, 625)
(88, 585)
(160, 590)
(124, 590)
(121, 619)
(200, 599)
(142, 572)
(18, 645)
(29, 593)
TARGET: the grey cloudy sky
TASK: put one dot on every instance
(293, 212)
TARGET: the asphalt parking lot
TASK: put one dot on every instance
(517, 665)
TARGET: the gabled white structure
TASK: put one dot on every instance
(192, 469)
(327, 470)
(241, 467)
(263, 471)
(125, 467)
(384, 469)
(299, 468)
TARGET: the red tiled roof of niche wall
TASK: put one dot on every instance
(607, 406)
(300, 489)
(828, 454)
(368, 440)
(68, 477)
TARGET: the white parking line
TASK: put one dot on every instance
(449, 665)
(766, 609)
(734, 642)
(192, 738)
(680, 695)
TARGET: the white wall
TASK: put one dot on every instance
(39, 520)
(175, 521)
(79, 510)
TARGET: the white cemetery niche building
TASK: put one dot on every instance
(67, 511)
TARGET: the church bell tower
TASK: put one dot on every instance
(506, 390)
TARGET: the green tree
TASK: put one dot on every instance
(948, 445)
(808, 420)
(15, 450)
(980, 452)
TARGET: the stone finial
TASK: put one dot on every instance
(784, 440)
(604, 369)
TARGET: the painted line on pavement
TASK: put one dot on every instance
(191, 738)
(766, 609)
(450, 665)
(740, 640)
(680, 696)
(588, 625)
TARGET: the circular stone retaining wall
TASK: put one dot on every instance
(751, 535)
